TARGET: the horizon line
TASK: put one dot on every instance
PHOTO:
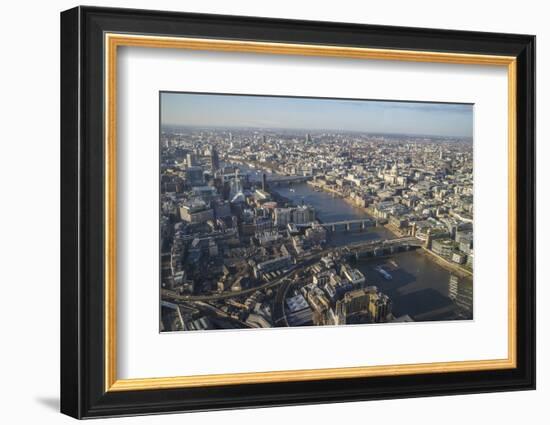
(313, 131)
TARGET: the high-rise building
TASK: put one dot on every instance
(194, 176)
(197, 212)
(353, 303)
(363, 304)
(282, 216)
(303, 214)
(379, 307)
(214, 159)
(191, 159)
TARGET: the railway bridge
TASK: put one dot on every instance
(361, 223)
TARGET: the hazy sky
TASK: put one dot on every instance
(205, 110)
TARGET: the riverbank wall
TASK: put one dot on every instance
(453, 267)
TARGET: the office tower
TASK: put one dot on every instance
(191, 160)
(214, 159)
(194, 176)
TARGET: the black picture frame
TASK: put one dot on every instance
(83, 392)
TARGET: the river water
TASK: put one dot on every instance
(419, 287)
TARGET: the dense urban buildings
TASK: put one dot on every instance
(280, 227)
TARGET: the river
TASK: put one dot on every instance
(419, 287)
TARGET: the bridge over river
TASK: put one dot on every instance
(271, 179)
(362, 223)
(382, 247)
(377, 247)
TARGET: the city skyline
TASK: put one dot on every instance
(179, 109)
(269, 228)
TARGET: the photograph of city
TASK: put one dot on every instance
(281, 211)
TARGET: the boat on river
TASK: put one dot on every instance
(383, 272)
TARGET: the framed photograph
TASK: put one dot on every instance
(261, 212)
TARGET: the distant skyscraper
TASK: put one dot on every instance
(194, 176)
(264, 182)
(215, 159)
(380, 307)
(191, 160)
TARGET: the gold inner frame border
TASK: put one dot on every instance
(113, 40)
